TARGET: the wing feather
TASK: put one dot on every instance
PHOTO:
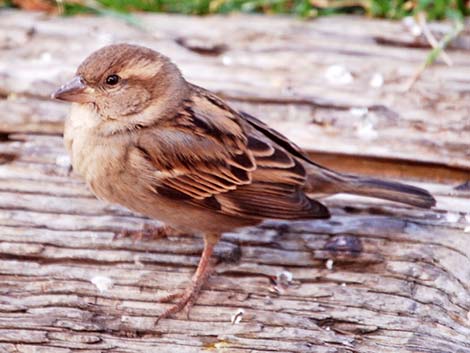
(209, 156)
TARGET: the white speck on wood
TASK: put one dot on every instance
(103, 283)
(377, 80)
(359, 112)
(284, 278)
(338, 75)
(45, 57)
(329, 264)
(237, 317)
(63, 160)
(227, 60)
(452, 217)
(366, 131)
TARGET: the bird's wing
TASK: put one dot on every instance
(208, 156)
(276, 137)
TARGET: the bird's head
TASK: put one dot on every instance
(122, 80)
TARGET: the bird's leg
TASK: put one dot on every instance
(189, 296)
(148, 232)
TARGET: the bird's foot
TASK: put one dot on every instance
(148, 232)
(187, 298)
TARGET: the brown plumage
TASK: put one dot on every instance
(145, 138)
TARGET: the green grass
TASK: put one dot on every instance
(393, 9)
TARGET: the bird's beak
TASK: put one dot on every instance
(76, 90)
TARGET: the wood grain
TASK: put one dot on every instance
(377, 277)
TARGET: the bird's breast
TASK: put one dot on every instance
(100, 160)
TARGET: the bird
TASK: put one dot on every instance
(144, 137)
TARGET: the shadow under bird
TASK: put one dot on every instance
(143, 137)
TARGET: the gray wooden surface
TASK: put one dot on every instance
(376, 277)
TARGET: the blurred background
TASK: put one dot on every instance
(393, 9)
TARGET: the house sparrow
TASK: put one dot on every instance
(143, 137)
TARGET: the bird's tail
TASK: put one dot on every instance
(330, 182)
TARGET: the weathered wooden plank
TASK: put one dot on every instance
(377, 277)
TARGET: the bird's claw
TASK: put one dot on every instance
(185, 302)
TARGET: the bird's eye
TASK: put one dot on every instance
(112, 80)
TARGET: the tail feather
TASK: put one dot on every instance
(331, 182)
(390, 190)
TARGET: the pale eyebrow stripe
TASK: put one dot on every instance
(141, 68)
